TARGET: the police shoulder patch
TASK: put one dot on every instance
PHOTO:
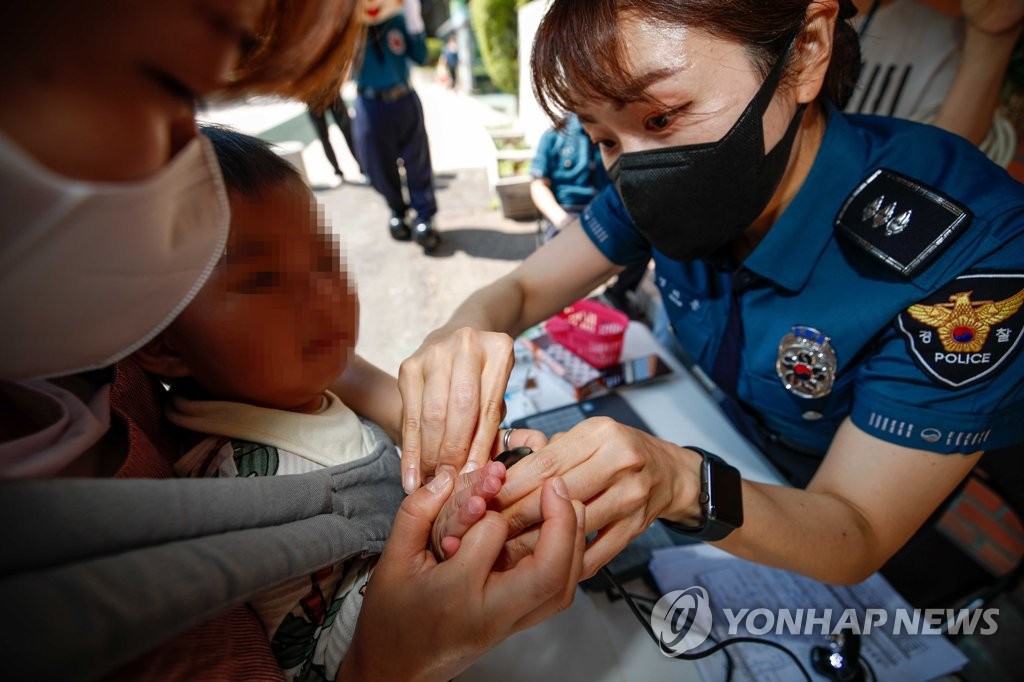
(901, 222)
(396, 41)
(967, 330)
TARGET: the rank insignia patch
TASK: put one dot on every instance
(967, 330)
(901, 222)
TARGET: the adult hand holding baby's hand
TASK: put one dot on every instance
(410, 593)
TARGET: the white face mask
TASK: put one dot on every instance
(91, 271)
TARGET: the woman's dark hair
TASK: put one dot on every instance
(578, 53)
(249, 165)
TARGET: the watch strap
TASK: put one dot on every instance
(712, 528)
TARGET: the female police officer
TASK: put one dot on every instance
(855, 283)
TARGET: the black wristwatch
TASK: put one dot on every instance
(721, 500)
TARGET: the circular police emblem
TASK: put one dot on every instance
(806, 363)
(396, 41)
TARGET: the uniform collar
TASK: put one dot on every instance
(790, 251)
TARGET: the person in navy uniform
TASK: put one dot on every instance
(854, 284)
(388, 125)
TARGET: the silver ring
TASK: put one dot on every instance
(505, 439)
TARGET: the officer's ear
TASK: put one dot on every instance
(158, 357)
(814, 50)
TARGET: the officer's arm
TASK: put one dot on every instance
(453, 386)
(415, 32)
(562, 271)
(866, 500)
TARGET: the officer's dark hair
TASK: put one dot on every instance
(578, 53)
(248, 164)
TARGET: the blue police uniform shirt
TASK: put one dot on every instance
(930, 361)
(387, 52)
(572, 163)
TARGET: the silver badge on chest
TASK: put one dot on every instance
(806, 363)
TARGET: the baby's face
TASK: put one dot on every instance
(275, 324)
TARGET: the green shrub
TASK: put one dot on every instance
(511, 168)
(434, 47)
(495, 24)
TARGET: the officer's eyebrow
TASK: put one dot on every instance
(637, 89)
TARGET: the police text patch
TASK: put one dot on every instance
(968, 329)
(901, 222)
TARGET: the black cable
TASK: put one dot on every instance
(647, 604)
(649, 611)
(719, 646)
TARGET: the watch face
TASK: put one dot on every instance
(726, 494)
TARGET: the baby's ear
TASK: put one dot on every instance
(159, 358)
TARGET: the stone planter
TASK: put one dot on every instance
(514, 194)
(509, 175)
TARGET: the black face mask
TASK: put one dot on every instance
(690, 201)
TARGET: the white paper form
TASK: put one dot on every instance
(786, 599)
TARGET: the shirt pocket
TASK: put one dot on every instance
(797, 419)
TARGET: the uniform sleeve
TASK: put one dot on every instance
(948, 375)
(416, 45)
(540, 167)
(611, 229)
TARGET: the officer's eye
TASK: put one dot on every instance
(658, 122)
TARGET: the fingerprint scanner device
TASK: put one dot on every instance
(564, 418)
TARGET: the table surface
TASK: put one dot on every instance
(596, 639)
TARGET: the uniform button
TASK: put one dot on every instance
(812, 415)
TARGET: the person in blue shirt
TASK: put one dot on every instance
(388, 125)
(568, 174)
(450, 57)
(854, 284)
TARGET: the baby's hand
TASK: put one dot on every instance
(467, 505)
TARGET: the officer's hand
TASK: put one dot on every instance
(453, 395)
(626, 478)
(413, 16)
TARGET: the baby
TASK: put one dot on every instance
(250, 361)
